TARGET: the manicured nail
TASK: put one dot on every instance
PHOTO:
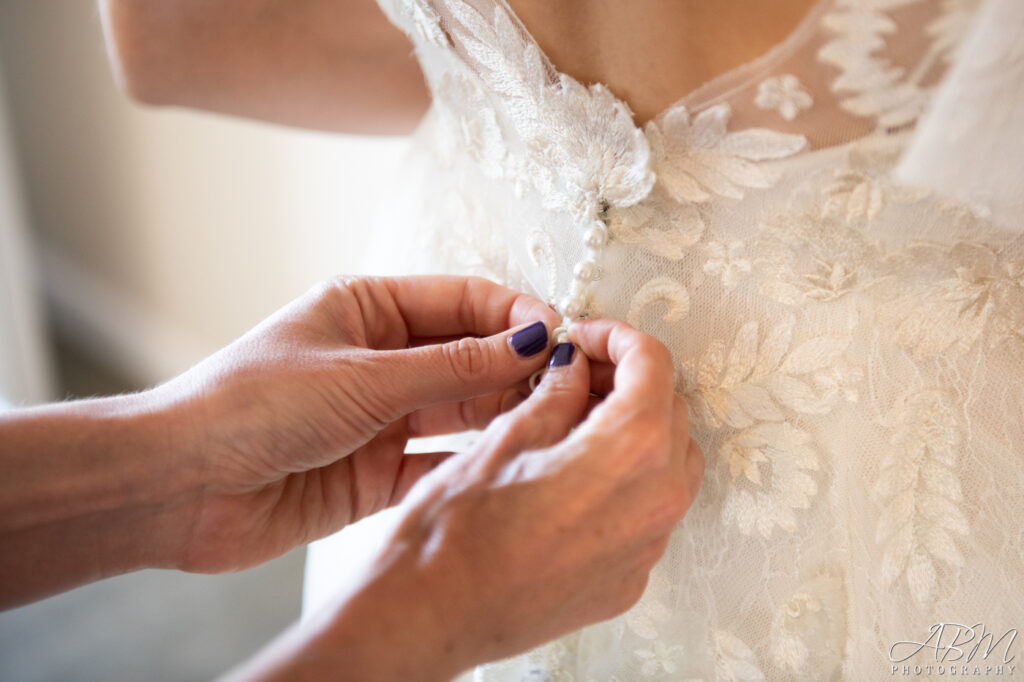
(529, 340)
(562, 355)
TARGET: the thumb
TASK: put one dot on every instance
(414, 378)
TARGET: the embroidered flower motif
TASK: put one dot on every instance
(754, 389)
(659, 659)
(734, 661)
(792, 455)
(809, 630)
(938, 297)
(697, 159)
(574, 167)
(785, 94)
(727, 261)
(808, 257)
(666, 229)
(919, 493)
(861, 187)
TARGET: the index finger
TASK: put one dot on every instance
(444, 305)
(643, 365)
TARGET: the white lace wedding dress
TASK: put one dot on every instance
(850, 344)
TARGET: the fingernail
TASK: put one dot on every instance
(529, 340)
(561, 355)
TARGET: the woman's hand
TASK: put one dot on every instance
(538, 530)
(299, 428)
(288, 434)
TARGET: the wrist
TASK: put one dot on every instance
(90, 491)
(401, 621)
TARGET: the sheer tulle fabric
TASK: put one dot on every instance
(850, 344)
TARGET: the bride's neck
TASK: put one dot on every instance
(653, 52)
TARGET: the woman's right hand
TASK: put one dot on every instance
(536, 531)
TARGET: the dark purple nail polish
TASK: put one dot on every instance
(529, 340)
(562, 355)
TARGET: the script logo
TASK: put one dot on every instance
(958, 650)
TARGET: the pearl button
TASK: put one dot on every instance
(596, 237)
(585, 271)
(572, 306)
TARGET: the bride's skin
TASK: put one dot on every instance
(341, 66)
(651, 53)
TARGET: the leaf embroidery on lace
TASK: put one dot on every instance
(784, 94)
(862, 187)
(809, 630)
(697, 159)
(919, 493)
(877, 88)
(755, 389)
(734, 661)
(664, 229)
(939, 297)
(580, 143)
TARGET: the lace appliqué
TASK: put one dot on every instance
(919, 493)
(658, 225)
(698, 159)
(727, 261)
(665, 290)
(756, 389)
(580, 144)
(734, 661)
(876, 88)
(973, 294)
(809, 630)
(784, 94)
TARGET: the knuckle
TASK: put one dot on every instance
(510, 427)
(654, 349)
(648, 440)
(466, 358)
(633, 588)
(674, 503)
(652, 553)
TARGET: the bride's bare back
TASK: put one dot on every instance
(651, 53)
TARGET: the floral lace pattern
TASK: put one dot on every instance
(785, 94)
(755, 388)
(919, 492)
(851, 349)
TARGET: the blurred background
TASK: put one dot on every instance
(134, 242)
